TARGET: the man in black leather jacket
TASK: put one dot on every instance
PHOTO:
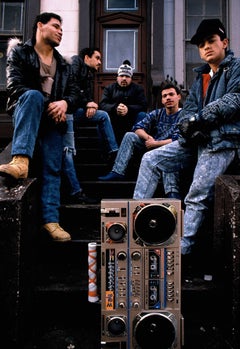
(41, 90)
(84, 66)
(124, 101)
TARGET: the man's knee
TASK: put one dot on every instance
(33, 95)
(102, 115)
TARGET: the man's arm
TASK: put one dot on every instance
(138, 101)
(106, 102)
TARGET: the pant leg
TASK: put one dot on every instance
(201, 193)
(168, 158)
(106, 133)
(171, 182)
(69, 151)
(26, 119)
(51, 145)
(130, 142)
(104, 128)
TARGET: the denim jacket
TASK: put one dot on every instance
(160, 125)
(220, 111)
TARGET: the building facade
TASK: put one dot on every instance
(153, 34)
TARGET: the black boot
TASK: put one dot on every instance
(81, 199)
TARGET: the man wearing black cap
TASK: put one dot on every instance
(124, 101)
(206, 29)
(209, 126)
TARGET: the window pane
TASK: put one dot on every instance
(3, 59)
(213, 8)
(192, 24)
(192, 53)
(11, 17)
(194, 7)
(127, 5)
(120, 44)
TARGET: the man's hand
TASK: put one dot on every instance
(193, 131)
(150, 143)
(188, 127)
(57, 111)
(122, 109)
(92, 107)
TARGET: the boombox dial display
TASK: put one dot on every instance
(156, 224)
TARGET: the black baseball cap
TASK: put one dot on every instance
(207, 28)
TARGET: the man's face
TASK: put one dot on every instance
(124, 80)
(51, 32)
(170, 98)
(93, 62)
(212, 49)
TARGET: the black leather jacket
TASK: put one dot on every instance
(132, 96)
(23, 74)
(84, 76)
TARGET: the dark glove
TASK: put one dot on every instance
(188, 127)
(190, 130)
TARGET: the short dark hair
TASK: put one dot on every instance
(88, 51)
(170, 85)
(44, 18)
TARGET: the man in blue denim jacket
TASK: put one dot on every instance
(209, 126)
(157, 129)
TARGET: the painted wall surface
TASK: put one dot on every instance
(69, 11)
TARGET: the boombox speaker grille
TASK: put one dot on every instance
(155, 224)
(155, 329)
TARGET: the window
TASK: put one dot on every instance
(121, 34)
(11, 24)
(196, 11)
(11, 17)
(121, 5)
(116, 50)
(3, 49)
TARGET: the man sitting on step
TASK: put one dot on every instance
(41, 90)
(124, 101)
(157, 129)
(84, 66)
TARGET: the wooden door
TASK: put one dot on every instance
(121, 33)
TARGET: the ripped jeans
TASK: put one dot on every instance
(69, 152)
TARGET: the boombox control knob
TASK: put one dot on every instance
(122, 255)
(122, 305)
(136, 255)
(136, 305)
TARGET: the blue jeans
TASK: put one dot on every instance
(69, 151)
(130, 142)
(123, 124)
(106, 136)
(33, 129)
(173, 157)
(104, 126)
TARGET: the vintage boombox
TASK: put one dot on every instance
(141, 274)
